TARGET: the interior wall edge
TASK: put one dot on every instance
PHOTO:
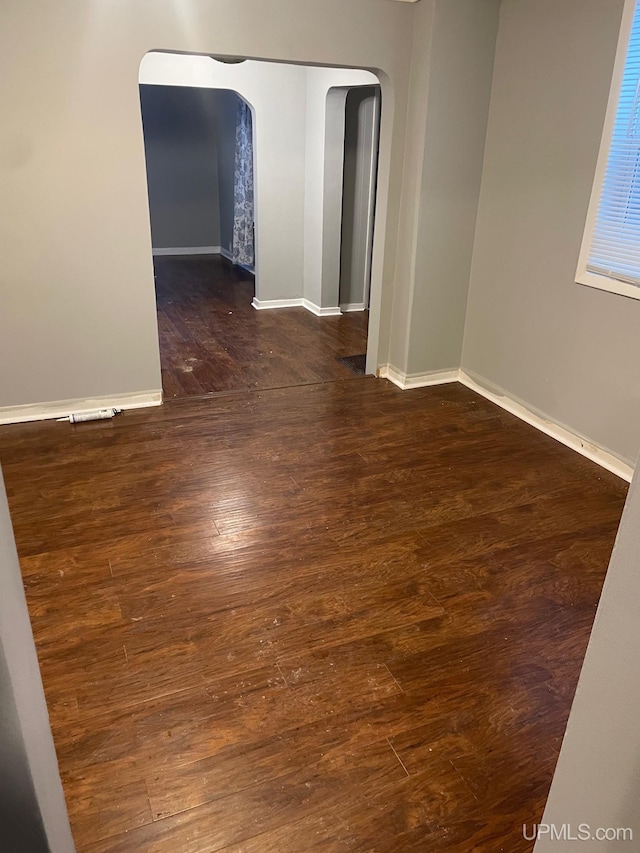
(596, 777)
(453, 159)
(410, 183)
(30, 782)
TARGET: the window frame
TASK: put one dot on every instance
(583, 275)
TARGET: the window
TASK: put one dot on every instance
(610, 255)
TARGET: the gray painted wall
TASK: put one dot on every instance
(76, 278)
(33, 816)
(180, 142)
(397, 303)
(566, 351)
(597, 778)
(459, 89)
(21, 824)
(189, 136)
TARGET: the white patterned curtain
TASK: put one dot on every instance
(243, 248)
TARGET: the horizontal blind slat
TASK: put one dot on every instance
(615, 242)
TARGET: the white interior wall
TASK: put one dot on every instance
(449, 95)
(33, 814)
(358, 197)
(325, 118)
(459, 92)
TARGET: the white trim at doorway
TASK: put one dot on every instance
(265, 305)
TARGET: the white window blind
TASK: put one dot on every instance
(614, 250)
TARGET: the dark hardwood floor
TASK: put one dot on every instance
(323, 618)
(212, 339)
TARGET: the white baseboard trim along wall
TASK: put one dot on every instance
(352, 306)
(266, 305)
(63, 408)
(592, 451)
(597, 454)
(565, 436)
(321, 312)
(417, 380)
(189, 250)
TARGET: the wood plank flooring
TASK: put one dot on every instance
(323, 618)
(212, 339)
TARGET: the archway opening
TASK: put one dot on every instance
(260, 187)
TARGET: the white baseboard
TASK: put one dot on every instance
(267, 304)
(262, 305)
(62, 408)
(189, 250)
(417, 380)
(226, 254)
(345, 307)
(334, 311)
(565, 436)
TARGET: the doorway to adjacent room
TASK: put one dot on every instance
(255, 288)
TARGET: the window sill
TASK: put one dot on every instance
(601, 282)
